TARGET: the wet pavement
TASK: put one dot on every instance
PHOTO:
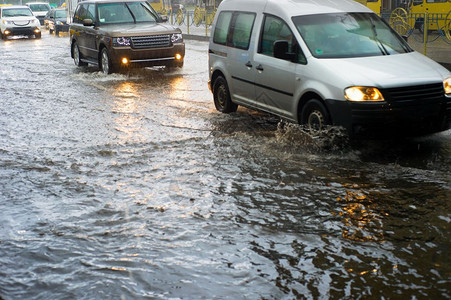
(132, 186)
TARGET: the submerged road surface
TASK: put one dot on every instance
(132, 186)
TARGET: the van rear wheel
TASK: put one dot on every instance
(221, 96)
(314, 116)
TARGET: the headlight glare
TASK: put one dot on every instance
(447, 86)
(176, 38)
(121, 41)
(363, 93)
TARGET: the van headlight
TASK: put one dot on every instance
(447, 86)
(177, 38)
(121, 41)
(6, 22)
(363, 93)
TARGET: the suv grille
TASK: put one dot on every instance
(151, 41)
(415, 94)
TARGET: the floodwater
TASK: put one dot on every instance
(132, 186)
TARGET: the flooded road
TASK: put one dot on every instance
(132, 186)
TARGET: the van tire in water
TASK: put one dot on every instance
(315, 116)
(221, 96)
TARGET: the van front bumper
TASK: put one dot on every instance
(387, 119)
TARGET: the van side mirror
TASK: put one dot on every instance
(163, 19)
(88, 22)
(281, 51)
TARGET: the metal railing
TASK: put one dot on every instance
(199, 17)
(425, 28)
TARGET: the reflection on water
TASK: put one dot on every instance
(362, 223)
(125, 108)
(132, 186)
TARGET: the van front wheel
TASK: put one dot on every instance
(314, 116)
(221, 96)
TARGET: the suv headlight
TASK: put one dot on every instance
(6, 22)
(177, 38)
(36, 22)
(121, 41)
(447, 86)
(363, 93)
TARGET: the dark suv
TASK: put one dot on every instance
(114, 34)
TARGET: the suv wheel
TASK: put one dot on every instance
(105, 62)
(77, 56)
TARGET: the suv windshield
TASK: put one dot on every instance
(17, 12)
(349, 35)
(125, 12)
(60, 13)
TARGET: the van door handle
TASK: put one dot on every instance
(260, 68)
(248, 64)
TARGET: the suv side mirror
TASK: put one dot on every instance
(281, 51)
(88, 22)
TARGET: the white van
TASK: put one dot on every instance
(39, 9)
(324, 62)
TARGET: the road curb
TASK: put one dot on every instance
(446, 65)
(196, 37)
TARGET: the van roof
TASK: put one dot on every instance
(295, 7)
(15, 6)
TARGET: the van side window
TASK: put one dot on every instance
(275, 29)
(241, 29)
(222, 27)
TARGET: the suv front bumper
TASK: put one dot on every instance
(28, 30)
(148, 56)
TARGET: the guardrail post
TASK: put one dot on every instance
(206, 23)
(425, 31)
(187, 21)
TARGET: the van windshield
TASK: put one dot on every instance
(39, 7)
(342, 35)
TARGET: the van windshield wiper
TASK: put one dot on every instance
(379, 43)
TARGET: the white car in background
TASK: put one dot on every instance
(39, 9)
(18, 20)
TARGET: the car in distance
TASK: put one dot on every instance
(39, 9)
(56, 21)
(18, 20)
(117, 34)
(322, 63)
